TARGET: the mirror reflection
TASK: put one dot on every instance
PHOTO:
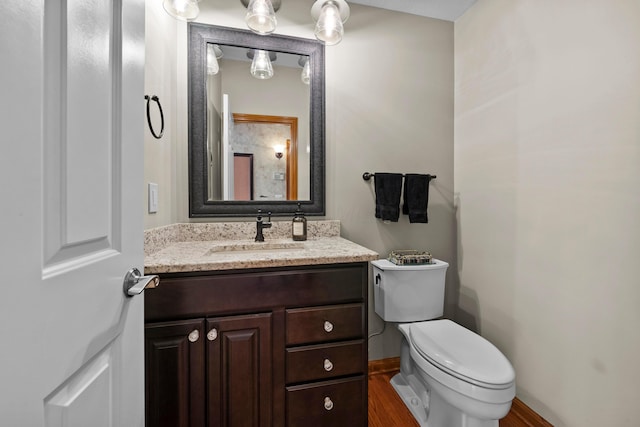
(258, 141)
(256, 123)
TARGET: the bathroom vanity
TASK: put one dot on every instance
(257, 336)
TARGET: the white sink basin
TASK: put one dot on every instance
(255, 246)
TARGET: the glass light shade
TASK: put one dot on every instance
(184, 10)
(279, 150)
(261, 67)
(260, 17)
(306, 73)
(329, 27)
(212, 60)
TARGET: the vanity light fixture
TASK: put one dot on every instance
(261, 15)
(213, 54)
(305, 76)
(329, 16)
(261, 67)
(183, 10)
(279, 149)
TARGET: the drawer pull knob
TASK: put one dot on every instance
(194, 335)
(328, 404)
(328, 326)
(212, 335)
(328, 366)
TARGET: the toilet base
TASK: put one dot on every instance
(409, 388)
(416, 405)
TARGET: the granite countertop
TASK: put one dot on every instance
(225, 246)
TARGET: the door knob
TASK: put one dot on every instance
(135, 282)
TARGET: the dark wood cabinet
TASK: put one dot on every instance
(268, 347)
(175, 373)
(239, 371)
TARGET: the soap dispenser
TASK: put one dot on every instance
(299, 225)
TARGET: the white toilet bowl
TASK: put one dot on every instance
(451, 377)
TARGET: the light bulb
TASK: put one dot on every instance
(260, 17)
(305, 76)
(261, 67)
(212, 60)
(329, 27)
(184, 10)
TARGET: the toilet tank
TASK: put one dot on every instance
(408, 293)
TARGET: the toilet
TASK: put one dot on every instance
(449, 376)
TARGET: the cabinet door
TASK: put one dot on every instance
(239, 371)
(174, 353)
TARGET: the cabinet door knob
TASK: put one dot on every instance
(328, 404)
(194, 335)
(212, 335)
(328, 366)
(328, 326)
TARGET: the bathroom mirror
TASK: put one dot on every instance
(288, 167)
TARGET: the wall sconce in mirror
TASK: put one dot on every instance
(305, 76)
(329, 16)
(213, 54)
(279, 149)
(261, 15)
(183, 10)
(261, 67)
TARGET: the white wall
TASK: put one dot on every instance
(160, 80)
(547, 180)
(389, 107)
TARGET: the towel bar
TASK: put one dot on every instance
(367, 176)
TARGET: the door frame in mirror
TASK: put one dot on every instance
(199, 203)
(291, 148)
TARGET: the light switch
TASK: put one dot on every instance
(153, 197)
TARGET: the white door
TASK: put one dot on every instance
(227, 151)
(71, 199)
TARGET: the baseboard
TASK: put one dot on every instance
(383, 366)
(527, 415)
(518, 409)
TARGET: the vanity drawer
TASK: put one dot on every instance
(321, 324)
(319, 362)
(224, 292)
(327, 404)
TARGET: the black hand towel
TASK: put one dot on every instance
(388, 191)
(416, 197)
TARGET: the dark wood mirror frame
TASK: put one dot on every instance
(199, 204)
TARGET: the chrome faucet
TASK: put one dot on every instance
(261, 225)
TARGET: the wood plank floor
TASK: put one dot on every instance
(387, 410)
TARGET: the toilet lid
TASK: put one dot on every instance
(462, 353)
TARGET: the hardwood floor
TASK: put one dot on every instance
(385, 406)
(387, 410)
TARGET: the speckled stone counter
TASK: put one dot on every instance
(229, 245)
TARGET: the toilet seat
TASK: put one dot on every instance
(462, 353)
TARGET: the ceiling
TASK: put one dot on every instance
(448, 10)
